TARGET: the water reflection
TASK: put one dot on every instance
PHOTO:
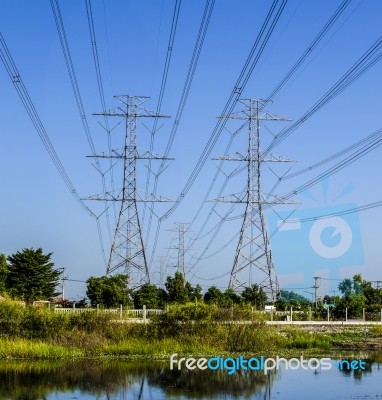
(210, 384)
(373, 360)
(107, 379)
(116, 379)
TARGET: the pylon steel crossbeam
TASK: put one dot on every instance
(253, 250)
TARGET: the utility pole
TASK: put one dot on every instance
(316, 278)
(127, 250)
(253, 250)
(63, 279)
(62, 284)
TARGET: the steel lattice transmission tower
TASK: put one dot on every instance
(181, 229)
(127, 250)
(253, 250)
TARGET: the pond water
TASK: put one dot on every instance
(116, 379)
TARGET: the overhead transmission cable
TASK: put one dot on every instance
(340, 153)
(16, 79)
(359, 68)
(77, 95)
(89, 14)
(368, 147)
(182, 102)
(234, 96)
(364, 63)
(308, 51)
(214, 179)
(257, 49)
(370, 142)
(166, 68)
(339, 166)
(348, 211)
(324, 216)
(350, 159)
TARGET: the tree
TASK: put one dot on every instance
(176, 288)
(109, 291)
(354, 304)
(289, 299)
(357, 295)
(194, 292)
(293, 297)
(359, 287)
(346, 287)
(181, 291)
(230, 297)
(3, 273)
(31, 275)
(373, 296)
(351, 287)
(213, 295)
(255, 295)
(151, 296)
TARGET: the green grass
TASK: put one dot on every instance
(25, 348)
(155, 348)
(299, 339)
(29, 332)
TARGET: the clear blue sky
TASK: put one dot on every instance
(37, 210)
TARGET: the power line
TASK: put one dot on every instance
(16, 79)
(77, 94)
(318, 38)
(353, 210)
(374, 138)
(361, 66)
(339, 166)
(334, 156)
(257, 49)
(182, 103)
(356, 76)
(366, 61)
(89, 14)
(235, 94)
(170, 47)
(207, 195)
(308, 51)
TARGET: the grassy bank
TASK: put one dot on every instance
(28, 332)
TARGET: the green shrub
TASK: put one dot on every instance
(11, 317)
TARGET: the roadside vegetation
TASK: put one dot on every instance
(41, 333)
(216, 322)
(29, 275)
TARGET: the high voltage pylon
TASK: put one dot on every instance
(162, 270)
(181, 229)
(253, 249)
(127, 250)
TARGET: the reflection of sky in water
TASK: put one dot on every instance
(332, 384)
(288, 384)
(128, 380)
